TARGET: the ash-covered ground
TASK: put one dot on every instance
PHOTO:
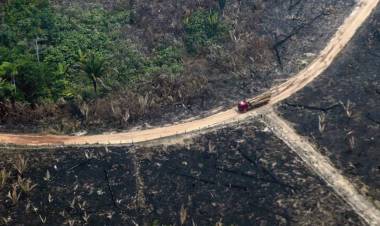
(235, 176)
(340, 111)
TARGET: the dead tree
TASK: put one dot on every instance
(276, 47)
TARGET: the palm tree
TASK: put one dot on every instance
(94, 66)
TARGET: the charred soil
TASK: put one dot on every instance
(339, 112)
(235, 176)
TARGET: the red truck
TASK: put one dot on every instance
(246, 105)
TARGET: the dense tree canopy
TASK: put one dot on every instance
(48, 53)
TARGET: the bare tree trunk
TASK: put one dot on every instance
(94, 83)
(37, 50)
(14, 83)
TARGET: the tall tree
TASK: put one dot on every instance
(94, 66)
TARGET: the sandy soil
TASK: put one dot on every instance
(281, 92)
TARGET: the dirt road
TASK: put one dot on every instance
(280, 92)
(323, 167)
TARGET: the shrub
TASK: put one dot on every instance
(203, 28)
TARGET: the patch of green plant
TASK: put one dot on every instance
(49, 53)
(167, 60)
(204, 28)
(27, 28)
(134, 66)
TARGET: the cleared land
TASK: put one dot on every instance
(324, 168)
(339, 112)
(242, 175)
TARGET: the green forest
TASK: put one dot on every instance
(48, 53)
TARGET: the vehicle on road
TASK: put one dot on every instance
(247, 105)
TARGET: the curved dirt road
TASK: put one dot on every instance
(280, 92)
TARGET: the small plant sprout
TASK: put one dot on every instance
(4, 175)
(219, 223)
(62, 213)
(6, 220)
(83, 205)
(106, 148)
(50, 198)
(183, 215)
(35, 209)
(43, 219)
(211, 147)
(70, 222)
(86, 217)
(26, 185)
(109, 215)
(351, 139)
(14, 195)
(351, 142)
(348, 107)
(21, 164)
(47, 177)
(27, 206)
(72, 203)
(322, 122)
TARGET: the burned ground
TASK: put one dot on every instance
(236, 176)
(340, 110)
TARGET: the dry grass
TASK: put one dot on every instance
(4, 175)
(118, 109)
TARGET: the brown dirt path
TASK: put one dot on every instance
(344, 34)
(323, 167)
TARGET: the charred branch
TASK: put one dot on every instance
(372, 119)
(373, 54)
(83, 163)
(265, 171)
(109, 188)
(295, 31)
(313, 108)
(243, 174)
(293, 4)
(228, 185)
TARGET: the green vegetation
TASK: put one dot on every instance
(204, 28)
(27, 29)
(94, 66)
(49, 53)
(65, 67)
